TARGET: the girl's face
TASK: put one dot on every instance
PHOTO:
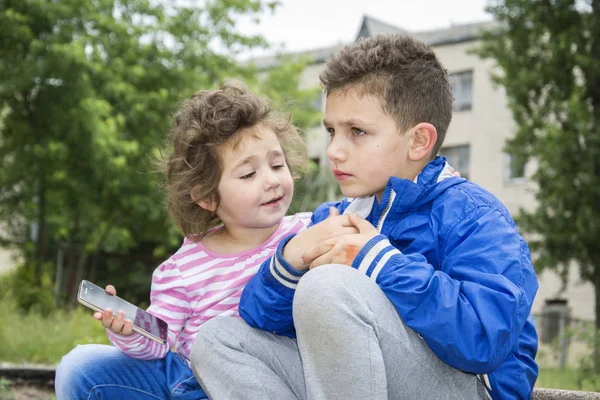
(256, 187)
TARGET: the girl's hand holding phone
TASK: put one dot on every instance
(118, 324)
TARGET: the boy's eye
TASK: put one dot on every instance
(358, 132)
(330, 131)
(247, 176)
(278, 166)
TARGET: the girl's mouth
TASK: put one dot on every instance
(273, 202)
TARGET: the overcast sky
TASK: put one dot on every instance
(308, 24)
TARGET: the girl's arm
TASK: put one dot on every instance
(168, 301)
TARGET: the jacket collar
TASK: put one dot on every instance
(407, 195)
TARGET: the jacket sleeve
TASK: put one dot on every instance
(470, 310)
(266, 301)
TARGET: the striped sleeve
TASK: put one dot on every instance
(280, 271)
(374, 256)
(168, 301)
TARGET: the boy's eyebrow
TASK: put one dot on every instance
(349, 122)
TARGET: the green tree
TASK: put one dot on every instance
(548, 53)
(86, 93)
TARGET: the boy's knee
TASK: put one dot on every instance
(213, 332)
(320, 290)
(324, 281)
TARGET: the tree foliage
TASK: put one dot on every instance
(87, 89)
(548, 53)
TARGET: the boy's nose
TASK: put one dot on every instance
(335, 151)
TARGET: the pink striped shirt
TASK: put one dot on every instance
(195, 285)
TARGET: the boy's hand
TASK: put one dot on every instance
(333, 226)
(118, 324)
(341, 249)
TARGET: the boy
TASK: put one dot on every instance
(436, 301)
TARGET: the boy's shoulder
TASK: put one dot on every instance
(465, 198)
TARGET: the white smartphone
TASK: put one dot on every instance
(144, 323)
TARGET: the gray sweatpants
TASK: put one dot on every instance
(351, 344)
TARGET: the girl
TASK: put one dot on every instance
(229, 185)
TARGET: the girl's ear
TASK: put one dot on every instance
(207, 204)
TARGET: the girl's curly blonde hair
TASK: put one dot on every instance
(201, 125)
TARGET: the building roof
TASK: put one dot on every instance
(370, 26)
(456, 33)
(315, 56)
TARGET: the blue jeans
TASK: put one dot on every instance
(97, 371)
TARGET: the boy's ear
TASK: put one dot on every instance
(423, 141)
(207, 204)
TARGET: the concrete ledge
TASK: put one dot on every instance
(556, 394)
(44, 375)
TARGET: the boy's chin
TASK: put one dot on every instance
(354, 193)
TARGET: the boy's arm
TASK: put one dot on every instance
(266, 301)
(472, 310)
(166, 290)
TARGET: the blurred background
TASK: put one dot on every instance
(88, 88)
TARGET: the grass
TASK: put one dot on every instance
(565, 379)
(32, 338)
(555, 378)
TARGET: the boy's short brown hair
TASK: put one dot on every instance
(201, 126)
(402, 72)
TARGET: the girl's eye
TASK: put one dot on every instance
(358, 132)
(330, 131)
(248, 176)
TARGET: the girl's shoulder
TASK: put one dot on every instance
(295, 222)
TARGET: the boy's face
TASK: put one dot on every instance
(366, 148)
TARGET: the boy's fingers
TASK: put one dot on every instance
(98, 316)
(110, 289)
(333, 211)
(317, 251)
(343, 220)
(324, 259)
(362, 224)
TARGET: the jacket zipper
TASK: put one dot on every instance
(387, 207)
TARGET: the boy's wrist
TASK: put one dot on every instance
(281, 273)
(291, 253)
(371, 259)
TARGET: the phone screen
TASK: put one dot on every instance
(96, 296)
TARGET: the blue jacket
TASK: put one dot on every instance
(450, 259)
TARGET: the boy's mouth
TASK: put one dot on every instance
(340, 175)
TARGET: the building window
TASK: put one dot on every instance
(515, 169)
(462, 90)
(458, 158)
